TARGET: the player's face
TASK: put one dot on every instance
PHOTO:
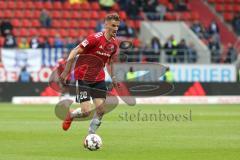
(112, 27)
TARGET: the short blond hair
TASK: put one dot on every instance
(112, 16)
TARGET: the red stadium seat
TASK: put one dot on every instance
(57, 5)
(33, 32)
(51, 40)
(38, 5)
(56, 14)
(48, 5)
(16, 23)
(26, 23)
(116, 7)
(76, 6)
(3, 5)
(76, 15)
(236, 8)
(186, 16)
(15, 32)
(92, 24)
(8, 14)
(95, 6)
(82, 32)
(228, 16)
(18, 14)
(170, 7)
(23, 32)
(83, 24)
(85, 14)
(56, 24)
(36, 23)
(53, 32)
(65, 24)
(67, 6)
(123, 15)
(211, 1)
(29, 5)
(1, 41)
(36, 14)
(73, 33)
(74, 24)
(237, 1)
(102, 14)
(219, 1)
(85, 6)
(28, 14)
(219, 8)
(137, 24)
(195, 16)
(20, 5)
(228, 8)
(10, 4)
(43, 32)
(91, 31)
(63, 32)
(66, 14)
(94, 15)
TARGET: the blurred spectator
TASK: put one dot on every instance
(133, 10)
(191, 54)
(231, 54)
(179, 5)
(182, 51)
(213, 28)
(156, 46)
(106, 4)
(100, 26)
(10, 40)
(69, 44)
(5, 27)
(150, 9)
(170, 49)
(214, 47)
(161, 10)
(24, 76)
(58, 42)
(130, 30)
(46, 52)
(198, 29)
(45, 18)
(34, 43)
(23, 44)
(236, 23)
(123, 29)
(131, 75)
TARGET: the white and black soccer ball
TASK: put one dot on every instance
(93, 142)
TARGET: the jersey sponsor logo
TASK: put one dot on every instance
(103, 53)
(99, 34)
(85, 43)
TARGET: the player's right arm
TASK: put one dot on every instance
(74, 52)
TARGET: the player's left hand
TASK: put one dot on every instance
(115, 83)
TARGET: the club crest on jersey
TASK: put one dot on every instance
(85, 43)
(110, 48)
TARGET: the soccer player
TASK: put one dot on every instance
(93, 54)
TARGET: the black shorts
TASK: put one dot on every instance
(86, 90)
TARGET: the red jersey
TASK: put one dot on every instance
(97, 52)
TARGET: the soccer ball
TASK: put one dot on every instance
(93, 142)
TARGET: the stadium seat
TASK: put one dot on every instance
(48, 5)
(85, 14)
(65, 24)
(74, 24)
(92, 24)
(52, 32)
(28, 14)
(67, 6)
(18, 14)
(15, 32)
(36, 23)
(26, 23)
(10, 4)
(236, 8)
(116, 7)
(83, 24)
(95, 6)
(38, 5)
(66, 14)
(56, 14)
(228, 8)
(186, 16)
(76, 15)
(20, 5)
(16, 23)
(219, 8)
(195, 16)
(29, 5)
(33, 32)
(56, 24)
(8, 14)
(1, 41)
(85, 6)
(90, 31)
(63, 32)
(237, 1)
(23, 32)
(102, 14)
(94, 15)
(76, 6)
(36, 14)
(228, 16)
(57, 5)
(3, 5)
(73, 33)
(123, 15)
(43, 32)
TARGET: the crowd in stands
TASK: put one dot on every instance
(176, 52)
(236, 23)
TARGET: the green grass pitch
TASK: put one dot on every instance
(32, 132)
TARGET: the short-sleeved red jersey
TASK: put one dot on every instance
(97, 52)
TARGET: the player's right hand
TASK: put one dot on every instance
(63, 77)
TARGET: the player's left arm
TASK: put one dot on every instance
(112, 60)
